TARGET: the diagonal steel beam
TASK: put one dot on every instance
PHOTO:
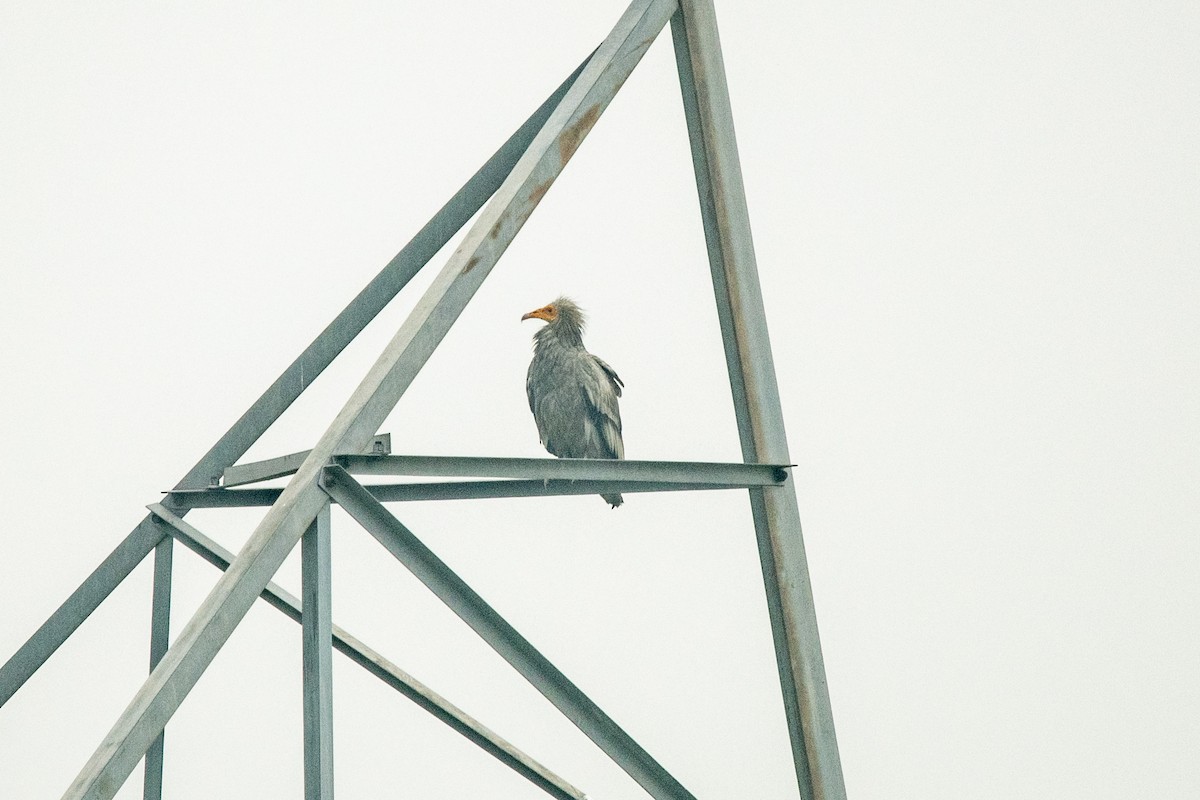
(756, 398)
(281, 394)
(367, 304)
(430, 320)
(379, 666)
(76, 608)
(493, 628)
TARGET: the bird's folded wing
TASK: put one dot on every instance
(601, 388)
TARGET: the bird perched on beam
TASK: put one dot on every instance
(572, 393)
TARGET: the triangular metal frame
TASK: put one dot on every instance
(515, 179)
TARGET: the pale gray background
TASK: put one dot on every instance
(977, 230)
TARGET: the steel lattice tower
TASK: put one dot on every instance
(507, 188)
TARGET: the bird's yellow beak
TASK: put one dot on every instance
(541, 313)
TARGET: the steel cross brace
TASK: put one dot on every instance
(497, 632)
(379, 666)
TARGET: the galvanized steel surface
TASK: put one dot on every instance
(713, 472)
(160, 639)
(498, 633)
(756, 398)
(458, 490)
(317, 636)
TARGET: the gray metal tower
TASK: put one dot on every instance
(507, 188)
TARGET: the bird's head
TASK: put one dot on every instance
(563, 312)
(548, 313)
(564, 322)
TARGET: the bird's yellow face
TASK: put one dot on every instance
(548, 313)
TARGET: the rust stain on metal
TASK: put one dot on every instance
(540, 190)
(524, 213)
(495, 231)
(573, 134)
(470, 265)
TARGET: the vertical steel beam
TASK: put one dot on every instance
(756, 398)
(160, 639)
(495, 630)
(457, 211)
(269, 544)
(316, 595)
(76, 608)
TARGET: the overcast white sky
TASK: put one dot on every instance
(977, 231)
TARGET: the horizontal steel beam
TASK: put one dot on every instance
(370, 660)
(503, 638)
(255, 471)
(186, 499)
(594, 469)
(450, 490)
(479, 490)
